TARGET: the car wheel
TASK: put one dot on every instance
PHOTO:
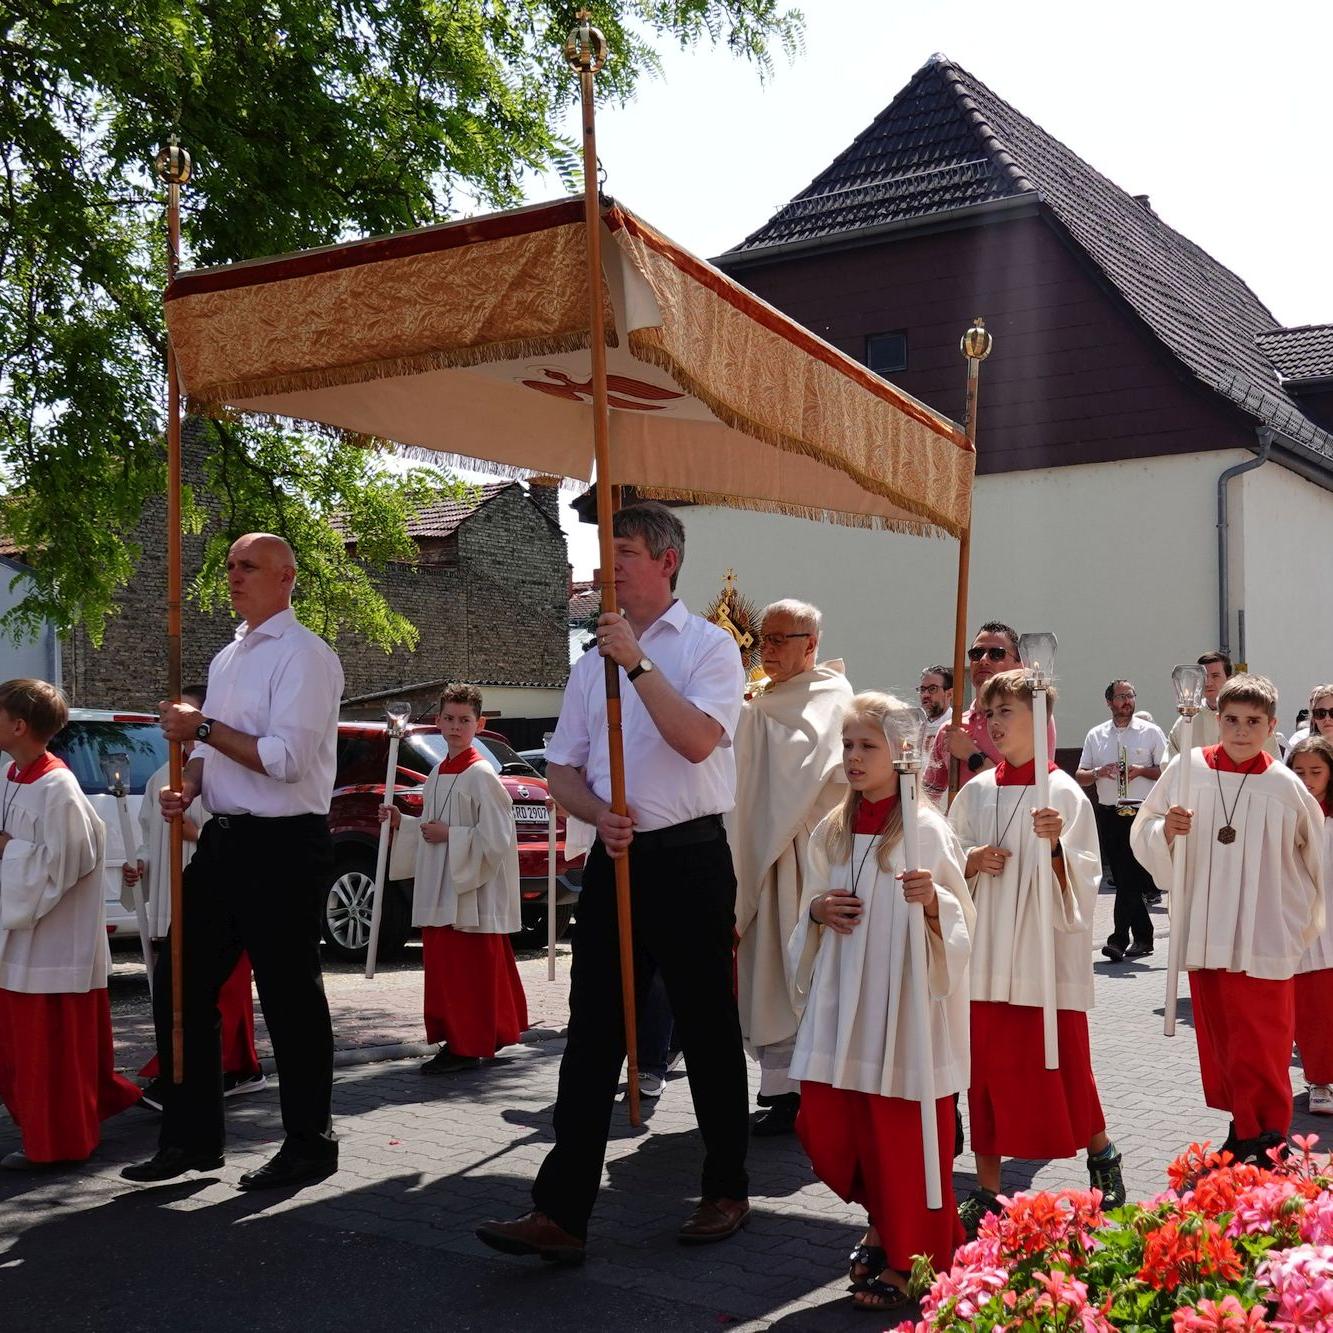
(348, 908)
(532, 934)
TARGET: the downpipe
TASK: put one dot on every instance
(1266, 438)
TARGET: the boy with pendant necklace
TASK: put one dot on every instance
(1018, 1107)
(1253, 903)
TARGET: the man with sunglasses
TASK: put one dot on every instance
(788, 777)
(995, 649)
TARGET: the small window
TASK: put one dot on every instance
(886, 352)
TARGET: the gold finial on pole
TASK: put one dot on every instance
(172, 165)
(975, 345)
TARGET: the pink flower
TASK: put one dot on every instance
(1300, 1283)
(1064, 1296)
(1267, 1207)
(969, 1287)
(1225, 1316)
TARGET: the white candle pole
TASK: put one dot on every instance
(1188, 682)
(1038, 654)
(116, 768)
(908, 763)
(550, 889)
(397, 716)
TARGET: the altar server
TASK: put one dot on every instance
(463, 856)
(57, 1078)
(858, 1064)
(1253, 904)
(1018, 1107)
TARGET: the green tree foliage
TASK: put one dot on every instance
(309, 121)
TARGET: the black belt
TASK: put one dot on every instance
(707, 828)
(229, 822)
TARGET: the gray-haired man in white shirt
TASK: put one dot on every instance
(264, 762)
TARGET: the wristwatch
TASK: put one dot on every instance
(975, 761)
(644, 665)
(204, 730)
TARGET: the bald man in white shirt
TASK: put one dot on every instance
(264, 764)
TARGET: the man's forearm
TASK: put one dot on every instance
(570, 791)
(236, 745)
(1085, 777)
(686, 729)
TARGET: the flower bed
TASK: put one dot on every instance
(1228, 1248)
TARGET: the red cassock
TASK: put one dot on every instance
(1244, 1027)
(867, 1150)
(236, 1009)
(474, 997)
(1016, 1106)
(1314, 1022)
(57, 1071)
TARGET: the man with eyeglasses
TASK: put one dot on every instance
(995, 649)
(936, 694)
(1144, 745)
(788, 777)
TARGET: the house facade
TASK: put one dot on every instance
(1131, 373)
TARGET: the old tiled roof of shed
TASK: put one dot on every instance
(1304, 353)
(441, 518)
(947, 142)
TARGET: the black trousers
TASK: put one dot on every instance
(255, 885)
(1132, 881)
(684, 917)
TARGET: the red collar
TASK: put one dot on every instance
(871, 816)
(1216, 757)
(463, 759)
(44, 763)
(1024, 775)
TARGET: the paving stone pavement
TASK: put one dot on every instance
(422, 1161)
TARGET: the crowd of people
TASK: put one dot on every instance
(776, 911)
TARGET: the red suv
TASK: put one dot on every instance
(358, 792)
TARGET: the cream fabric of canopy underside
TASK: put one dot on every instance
(471, 340)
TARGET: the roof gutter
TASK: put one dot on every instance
(947, 219)
(1266, 437)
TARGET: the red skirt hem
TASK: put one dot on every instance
(236, 1011)
(474, 1000)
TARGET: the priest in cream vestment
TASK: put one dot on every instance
(789, 776)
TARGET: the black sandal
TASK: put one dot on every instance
(870, 1258)
(891, 1297)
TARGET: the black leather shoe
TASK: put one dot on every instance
(167, 1163)
(778, 1117)
(289, 1168)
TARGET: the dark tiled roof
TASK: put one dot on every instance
(442, 518)
(946, 141)
(1305, 353)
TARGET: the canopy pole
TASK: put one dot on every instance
(173, 169)
(585, 50)
(975, 346)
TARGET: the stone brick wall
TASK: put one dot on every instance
(489, 602)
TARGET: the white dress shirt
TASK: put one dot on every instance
(702, 663)
(1145, 745)
(282, 683)
(934, 725)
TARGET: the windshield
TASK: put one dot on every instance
(82, 744)
(423, 750)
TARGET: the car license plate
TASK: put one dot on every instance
(530, 814)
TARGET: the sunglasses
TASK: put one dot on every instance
(1319, 714)
(995, 654)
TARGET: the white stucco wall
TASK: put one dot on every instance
(38, 657)
(1284, 527)
(1118, 559)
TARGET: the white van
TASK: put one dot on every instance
(81, 743)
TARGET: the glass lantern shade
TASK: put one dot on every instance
(906, 732)
(116, 769)
(1187, 680)
(1037, 651)
(399, 714)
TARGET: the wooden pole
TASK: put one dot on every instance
(173, 169)
(975, 346)
(585, 50)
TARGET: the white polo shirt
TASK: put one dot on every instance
(663, 788)
(1145, 745)
(282, 683)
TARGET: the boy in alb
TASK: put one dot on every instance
(1253, 903)
(463, 855)
(1018, 1107)
(56, 1074)
(241, 1071)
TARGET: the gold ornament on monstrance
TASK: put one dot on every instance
(737, 615)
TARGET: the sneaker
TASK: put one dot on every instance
(1153, 897)
(974, 1208)
(651, 1085)
(151, 1097)
(1113, 951)
(236, 1085)
(1321, 1099)
(1104, 1174)
(1139, 949)
(675, 1059)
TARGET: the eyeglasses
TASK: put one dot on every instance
(1319, 714)
(930, 689)
(1122, 698)
(777, 640)
(995, 654)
